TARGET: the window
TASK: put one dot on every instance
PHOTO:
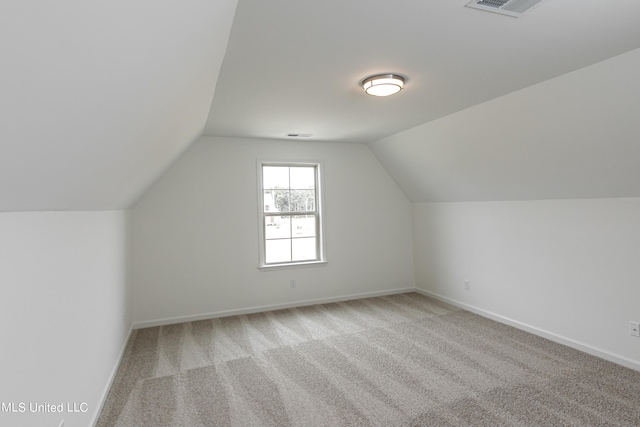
(290, 216)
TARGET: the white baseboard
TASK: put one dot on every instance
(262, 308)
(594, 351)
(112, 377)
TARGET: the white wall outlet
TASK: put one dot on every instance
(634, 329)
(292, 283)
(467, 285)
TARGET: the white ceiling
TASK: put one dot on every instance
(574, 136)
(295, 66)
(98, 99)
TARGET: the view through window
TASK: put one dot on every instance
(290, 214)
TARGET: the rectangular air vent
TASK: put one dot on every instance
(513, 8)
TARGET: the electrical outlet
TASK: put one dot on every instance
(634, 329)
(467, 285)
(292, 284)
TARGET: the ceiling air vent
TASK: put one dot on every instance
(513, 8)
(300, 135)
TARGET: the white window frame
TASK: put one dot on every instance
(320, 241)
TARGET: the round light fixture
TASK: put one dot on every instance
(383, 84)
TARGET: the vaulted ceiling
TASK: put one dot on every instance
(98, 99)
(295, 66)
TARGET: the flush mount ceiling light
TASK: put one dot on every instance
(383, 84)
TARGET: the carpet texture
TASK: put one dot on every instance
(401, 360)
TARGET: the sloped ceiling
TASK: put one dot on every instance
(574, 136)
(98, 98)
(295, 66)
(542, 106)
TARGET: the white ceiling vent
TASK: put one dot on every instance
(513, 8)
(300, 135)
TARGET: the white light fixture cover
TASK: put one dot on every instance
(383, 84)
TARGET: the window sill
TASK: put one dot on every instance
(273, 267)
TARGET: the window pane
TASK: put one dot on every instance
(290, 213)
(275, 177)
(277, 227)
(303, 226)
(269, 202)
(276, 200)
(304, 249)
(303, 200)
(278, 251)
(303, 177)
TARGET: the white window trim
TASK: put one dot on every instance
(320, 214)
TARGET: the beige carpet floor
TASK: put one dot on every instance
(401, 360)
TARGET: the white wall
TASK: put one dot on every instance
(196, 232)
(65, 311)
(565, 268)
